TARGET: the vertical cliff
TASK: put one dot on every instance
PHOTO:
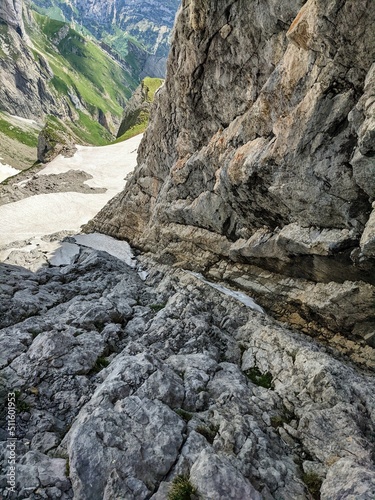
(11, 13)
(259, 164)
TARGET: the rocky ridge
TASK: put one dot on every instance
(137, 110)
(262, 174)
(130, 375)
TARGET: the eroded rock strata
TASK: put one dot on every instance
(122, 385)
(258, 166)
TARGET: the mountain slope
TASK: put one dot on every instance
(49, 72)
(137, 111)
(258, 166)
(121, 24)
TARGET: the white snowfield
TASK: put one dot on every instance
(63, 254)
(45, 214)
(117, 248)
(6, 171)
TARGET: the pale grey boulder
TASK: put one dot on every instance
(215, 478)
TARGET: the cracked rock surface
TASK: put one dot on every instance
(123, 384)
(260, 158)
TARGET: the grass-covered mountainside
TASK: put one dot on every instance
(62, 79)
(72, 67)
(145, 23)
(94, 85)
(18, 141)
(137, 111)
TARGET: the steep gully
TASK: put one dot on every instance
(125, 380)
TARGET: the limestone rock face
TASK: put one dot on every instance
(125, 383)
(24, 78)
(11, 13)
(260, 152)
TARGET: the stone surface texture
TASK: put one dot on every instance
(11, 13)
(260, 157)
(125, 383)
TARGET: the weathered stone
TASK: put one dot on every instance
(266, 158)
(214, 478)
(347, 479)
(174, 396)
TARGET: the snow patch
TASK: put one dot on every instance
(45, 214)
(107, 165)
(6, 171)
(119, 249)
(143, 275)
(64, 255)
(241, 297)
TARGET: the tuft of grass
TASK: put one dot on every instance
(184, 414)
(259, 378)
(283, 418)
(181, 489)
(158, 307)
(277, 421)
(67, 468)
(208, 432)
(313, 483)
(34, 332)
(21, 404)
(100, 364)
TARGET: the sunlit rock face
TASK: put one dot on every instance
(11, 13)
(259, 160)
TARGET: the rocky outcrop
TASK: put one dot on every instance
(52, 142)
(123, 385)
(137, 111)
(11, 13)
(25, 78)
(258, 166)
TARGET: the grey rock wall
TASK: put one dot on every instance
(24, 76)
(260, 155)
(11, 13)
(124, 384)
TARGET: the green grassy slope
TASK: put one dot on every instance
(136, 121)
(132, 23)
(18, 141)
(83, 70)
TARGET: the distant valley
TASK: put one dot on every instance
(70, 68)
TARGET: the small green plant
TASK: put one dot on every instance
(277, 421)
(283, 418)
(67, 468)
(100, 364)
(259, 378)
(208, 432)
(184, 414)
(181, 489)
(158, 307)
(21, 404)
(34, 333)
(313, 483)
